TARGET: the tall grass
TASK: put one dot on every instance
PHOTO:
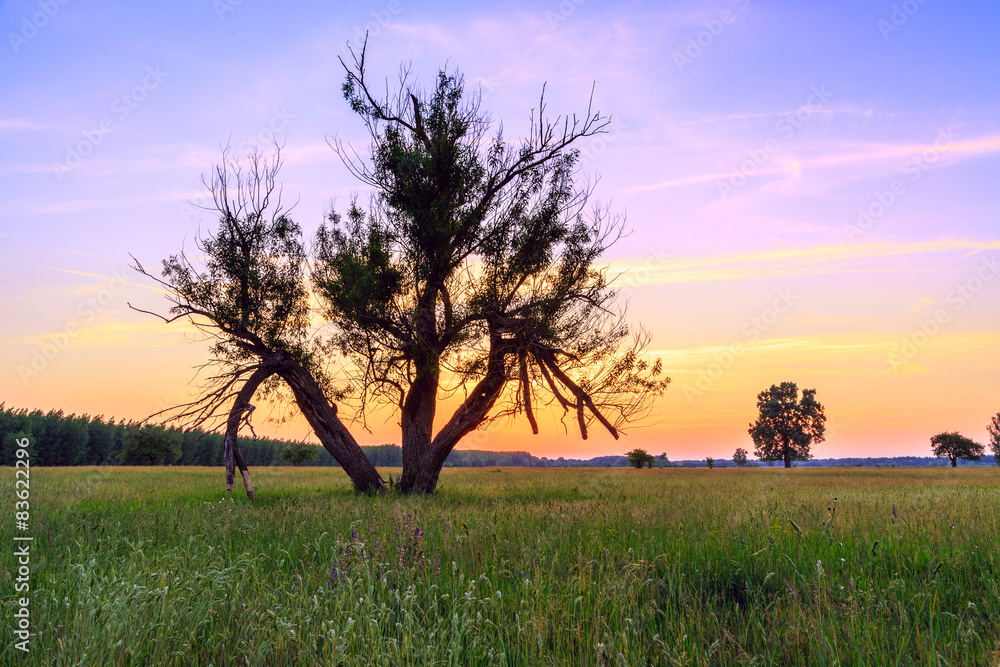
(158, 566)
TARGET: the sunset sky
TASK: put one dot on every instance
(812, 191)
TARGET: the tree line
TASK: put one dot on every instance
(58, 439)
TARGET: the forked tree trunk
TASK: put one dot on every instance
(466, 419)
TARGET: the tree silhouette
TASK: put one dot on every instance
(471, 274)
(952, 446)
(639, 458)
(787, 426)
(740, 457)
(993, 428)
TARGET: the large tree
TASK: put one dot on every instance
(787, 426)
(250, 297)
(953, 446)
(470, 274)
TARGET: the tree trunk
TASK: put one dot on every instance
(231, 448)
(420, 404)
(322, 416)
(954, 462)
(788, 459)
(465, 420)
(417, 421)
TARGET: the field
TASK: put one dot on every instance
(159, 566)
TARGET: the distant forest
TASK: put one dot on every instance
(58, 439)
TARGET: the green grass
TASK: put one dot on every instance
(159, 566)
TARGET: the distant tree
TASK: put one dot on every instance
(298, 453)
(101, 441)
(952, 446)
(662, 461)
(639, 458)
(709, 462)
(994, 430)
(740, 457)
(787, 426)
(152, 445)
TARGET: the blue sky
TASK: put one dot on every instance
(748, 138)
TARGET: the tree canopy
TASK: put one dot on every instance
(298, 453)
(952, 446)
(787, 426)
(740, 457)
(640, 458)
(470, 273)
(152, 444)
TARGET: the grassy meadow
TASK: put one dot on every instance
(160, 566)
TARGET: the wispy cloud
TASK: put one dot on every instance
(870, 153)
(790, 261)
(20, 125)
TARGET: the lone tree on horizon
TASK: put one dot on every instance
(993, 428)
(640, 458)
(470, 274)
(740, 457)
(952, 446)
(787, 426)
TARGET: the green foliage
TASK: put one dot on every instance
(993, 428)
(639, 458)
(709, 462)
(476, 254)
(787, 427)
(569, 567)
(298, 453)
(152, 444)
(740, 457)
(252, 285)
(952, 446)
